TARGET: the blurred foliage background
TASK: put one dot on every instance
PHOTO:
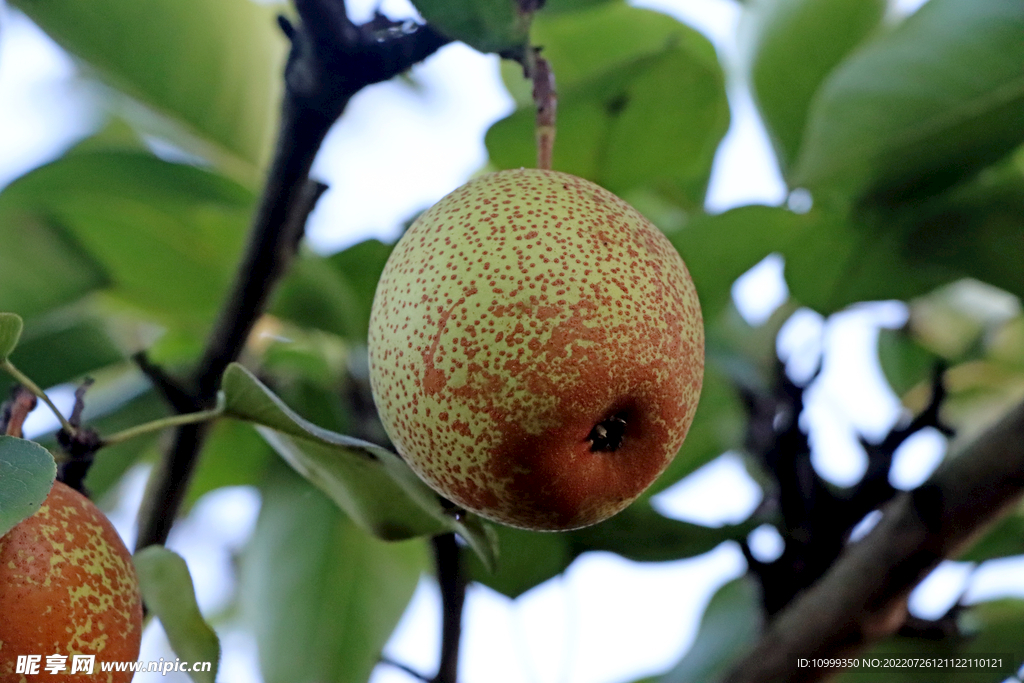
(900, 142)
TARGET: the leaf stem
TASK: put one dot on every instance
(166, 422)
(27, 382)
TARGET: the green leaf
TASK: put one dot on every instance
(10, 332)
(719, 248)
(834, 259)
(583, 45)
(836, 262)
(167, 235)
(640, 534)
(42, 266)
(525, 559)
(528, 558)
(314, 295)
(486, 25)
(729, 627)
(64, 346)
(234, 455)
(651, 123)
(361, 265)
(27, 473)
(169, 594)
(905, 363)
(370, 483)
(972, 230)
(321, 596)
(793, 45)
(334, 294)
(213, 67)
(968, 320)
(931, 102)
(553, 6)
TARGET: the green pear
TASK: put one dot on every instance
(536, 349)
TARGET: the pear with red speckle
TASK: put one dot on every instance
(536, 349)
(67, 588)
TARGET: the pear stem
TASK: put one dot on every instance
(546, 98)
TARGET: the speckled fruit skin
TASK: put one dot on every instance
(516, 314)
(67, 586)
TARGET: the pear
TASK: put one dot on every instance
(536, 349)
(67, 587)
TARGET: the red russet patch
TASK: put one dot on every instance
(528, 307)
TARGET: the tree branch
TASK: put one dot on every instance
(402, 667)
(15, 411)
(862, 598)
(451, 578)
(330, 61)
(79, 446)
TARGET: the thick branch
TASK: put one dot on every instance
(863, 596)
(331, 60)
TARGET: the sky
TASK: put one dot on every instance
(606, 620)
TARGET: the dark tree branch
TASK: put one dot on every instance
(814, 518)
(14, 411)
(862, 598)
(330, 61)
(944, 628)
(402, 667)
(269, 252)
(874, 488)
(75, 419)
(80, 446)
(451, 578)
(168, 387)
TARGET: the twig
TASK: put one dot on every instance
(16, 410)
(168, 387)
(874, 487)
(451, 578)
(384, 659)
(80, 446)
(330, 61)
(862, 598)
